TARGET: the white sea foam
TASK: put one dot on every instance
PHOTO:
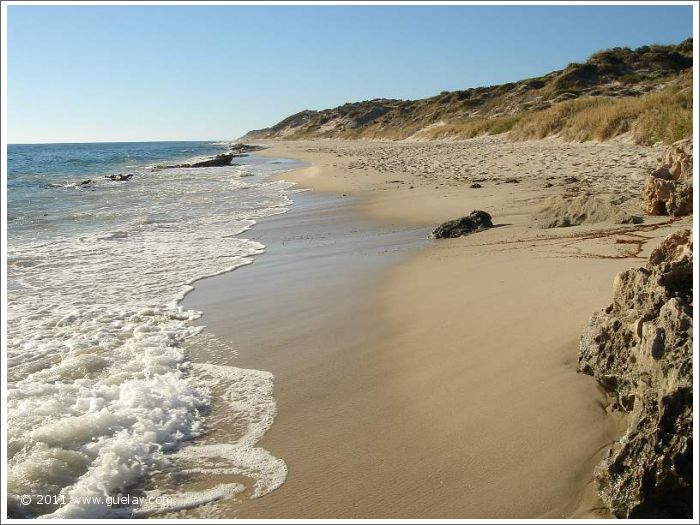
(250, 410)
(100, 391)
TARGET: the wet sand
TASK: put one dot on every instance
(427, 379)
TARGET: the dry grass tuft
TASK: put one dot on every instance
(662, 116)
(469, 128)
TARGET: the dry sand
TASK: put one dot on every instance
(443, 386)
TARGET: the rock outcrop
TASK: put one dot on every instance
(476, 221)
(223, 159)
(220, 160)
(669, 189)
(239, 148)
(640, 350)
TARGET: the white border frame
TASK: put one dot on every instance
(3, 262)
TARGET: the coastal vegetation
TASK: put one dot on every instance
(644, 92)
(660, 116)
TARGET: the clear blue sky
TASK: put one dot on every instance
(101, 73)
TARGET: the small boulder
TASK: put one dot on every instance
(630, 219)
(474, 222)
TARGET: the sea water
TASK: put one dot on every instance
(101, 393)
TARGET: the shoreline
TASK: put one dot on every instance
(465, 402)
(304, 305)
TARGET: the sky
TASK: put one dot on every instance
(134, 73)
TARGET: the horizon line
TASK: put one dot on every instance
(114, 142)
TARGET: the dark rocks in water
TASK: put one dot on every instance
(476, 185)
(474, 222)
(640, 349)
(220, 160)
(119, 177)
(244, 148)
(84, 182)
(224, 159)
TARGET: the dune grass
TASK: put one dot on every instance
(469, 128)
(662, 116)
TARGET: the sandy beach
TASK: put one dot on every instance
(431, 378)
(349, 261)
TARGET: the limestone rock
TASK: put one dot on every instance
(640, 349)
(669, 189)
(476, 221)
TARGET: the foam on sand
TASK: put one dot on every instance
(100, 390)
(249, 412)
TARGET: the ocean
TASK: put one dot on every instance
(101, 394)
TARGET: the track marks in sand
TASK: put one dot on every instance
(625, 242)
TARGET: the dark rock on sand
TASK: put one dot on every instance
(631, 219)
(476, 185)
(474, 222)
(640, 349)
(669, 189)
